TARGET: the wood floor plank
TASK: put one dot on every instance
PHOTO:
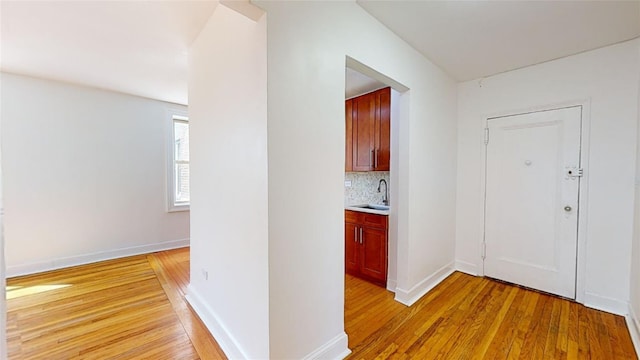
(398, 327)
(455, 319)
(505, 335)
(130, 308)
(135, 308)
(480, 323)
(468, 317)
(173, 274)
(562, 343)
(573, 331)
(549, 335)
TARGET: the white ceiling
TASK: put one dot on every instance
(140, 47)
(135, 47)
(474, 39)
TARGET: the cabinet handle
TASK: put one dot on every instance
(355, 234)
(375, 159)
(360, 235)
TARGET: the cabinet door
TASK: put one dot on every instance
(382, 130)
(373, 255)
(348, 161)
(363, 131)
(351, 248)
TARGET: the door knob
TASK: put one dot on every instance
(567, 208)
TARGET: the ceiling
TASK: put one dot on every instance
(135, 47)
(474, 39)
(140, 47)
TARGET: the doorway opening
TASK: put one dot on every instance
(376, 107)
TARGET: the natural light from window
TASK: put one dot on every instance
(178, 189)
(14, 292)
(181, 161)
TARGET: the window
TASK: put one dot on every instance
(178, 176)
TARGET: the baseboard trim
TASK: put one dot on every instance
(633, 323)
(466, 267)
(54, 264)
(409, 297)
(227, 342)
(336, 348)
(606, 304)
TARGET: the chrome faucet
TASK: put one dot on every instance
(385, 198)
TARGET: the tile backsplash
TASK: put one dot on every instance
(364, 187)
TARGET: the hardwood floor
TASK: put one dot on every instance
(130, 308)
(134, 308)
(467, 317)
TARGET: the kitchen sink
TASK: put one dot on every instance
(372, 206)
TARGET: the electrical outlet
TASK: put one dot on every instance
(347, 183)
(205, 274)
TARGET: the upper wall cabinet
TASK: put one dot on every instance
(368, 131)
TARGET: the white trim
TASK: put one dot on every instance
(409, 297)
(581, 256)
(466, 267)
(59, 263)
(583, 207)
(336, 348)
(173, 113)
(177, 208)
(218, 330)
(607, 304)
(633, 323)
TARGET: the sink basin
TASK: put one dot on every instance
(372, 206)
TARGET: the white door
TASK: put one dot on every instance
(531, 204)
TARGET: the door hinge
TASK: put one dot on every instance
(484, 250)
(486, 136)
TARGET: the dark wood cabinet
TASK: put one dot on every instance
(351, 236)
(382, 132)
(366, 246)
(363, 132)
(368, 131)
(373, 262)
(348, 107)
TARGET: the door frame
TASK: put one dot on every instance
(583, 192)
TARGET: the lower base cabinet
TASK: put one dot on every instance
(366, 246)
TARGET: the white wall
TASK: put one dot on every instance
(394, 186)
(307, 46)
(229, 224)
(3, 296)
(634, 302)
(83, 175)
(607, 79)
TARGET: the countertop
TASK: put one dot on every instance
(370, 211)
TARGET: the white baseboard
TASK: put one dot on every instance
(25, 269)
(336, 348)
(408, 297)
(604, 303)
(466, 267)
(227, 342)
(633, 323)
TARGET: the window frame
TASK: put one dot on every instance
(173, 116)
